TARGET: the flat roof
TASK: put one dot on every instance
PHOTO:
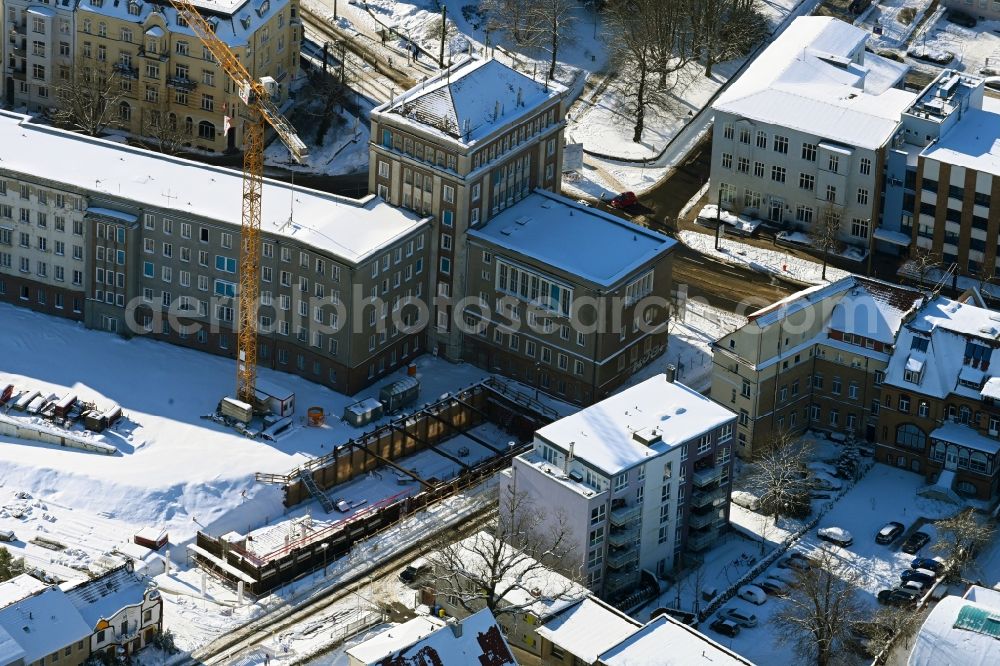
(973, 142)
(349, 229)
(602, 434)
(580, 240)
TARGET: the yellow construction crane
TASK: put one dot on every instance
(257, 99)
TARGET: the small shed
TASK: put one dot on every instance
(25, 399)
(64, 404)
(363, 412)
(399, 394)
(274, 398)
(153, 538)
(6, 393)
(111, 415)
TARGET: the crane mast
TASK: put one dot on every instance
(261, 110)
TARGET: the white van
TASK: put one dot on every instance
(7, 535)
(745, 500)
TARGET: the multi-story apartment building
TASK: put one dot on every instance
(940, 411)
(634, 480)
(462, 147)
(571, 316)
(802, 134)
(814, 360)
(38, 43)
(168, 76)
(157, 241)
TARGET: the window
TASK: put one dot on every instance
(865, 166)
(758, 169)
(903, 404)
(778, 174)
(745, 135)
(862, 196)
(804, 214)
(598, 514)
(743, 165)
(761, 139)
(833, 164)
(831, 193)
(859, 228)
(781, 144)
(727, 161)
(727, 131)
(809, 152)
(807, 181)
(621, 481)
(911, 436)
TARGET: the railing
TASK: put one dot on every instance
(182, 82)
(705, 477)
(623, 559)
(698, 521)
(625, 515)
(702, 540)
(709, 498)
(623, 538)
(620, 580)
(126, 71)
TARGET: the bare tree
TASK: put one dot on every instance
(961, 537)
(888, 626)
(924, 260)
(161, 129)
(635, 56)
(824, 233)
(517, 18)
(816, 619)
(518, 552)
(778, 476)
(88, 102)
(555, 21)
(725, 29)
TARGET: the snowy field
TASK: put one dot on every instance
(975, 49)
(892, 16)
(759, 259)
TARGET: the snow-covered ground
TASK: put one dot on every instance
(975, 49)
(898, 20)
(759, 259)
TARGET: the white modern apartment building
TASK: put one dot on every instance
(802, 134)
(637, 478)
(38, 40)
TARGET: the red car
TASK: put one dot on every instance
(624, 200)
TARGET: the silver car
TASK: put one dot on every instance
(740, 617)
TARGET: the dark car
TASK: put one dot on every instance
(624, 200)
(961, 18)
(774, 588)
(927, 578)
(927, 563)
(726, 627)
(915, 542)
(895, 598)
(889, 533)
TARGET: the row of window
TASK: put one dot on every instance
(41, 196)
(779, 144)
(24, 265)
(42, 297)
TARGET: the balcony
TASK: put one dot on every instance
(711, 498)
(623, 538)
(625, 515)
(698, 521)
(620, 580)
(126, 71)
(623, 559)
(182, 82)
(707, 477)
(21, 29)
(701, 540)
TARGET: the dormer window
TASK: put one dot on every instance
(263, 7)
(245, 22)
(913, 370)
(918, 343)
(977, 355)
(97, 3)
(134, 8)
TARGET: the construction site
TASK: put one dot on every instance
(370, 483)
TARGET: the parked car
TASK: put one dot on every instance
(726, 627)
(960, 18)
(584, 202)
(889, 533)
(915, 542)
(745, 499)
(927, 563)
(935, 56)
(342, 505)
(739, 616)
(913, 588)
(412, 570)
(624, 200)
(773, 586)
(836, 535)
(753, 594)
(921, 576)
(823, 483)
(895, 598)
(795, 561)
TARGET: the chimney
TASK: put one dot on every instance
(569, 457)
(496, 110)
(520, 99)
(671, 373)
(456, 627)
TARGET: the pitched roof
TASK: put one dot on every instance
(805, 80)
(43, 623)
(666, 642)
(471, 99)
(588, 629)
(100, 598)
(428, 640)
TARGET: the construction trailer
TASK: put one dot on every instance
(274, 399)
(363, 412)
(399, 394)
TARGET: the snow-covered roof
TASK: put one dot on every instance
(973, 142)
(958, 631)
(470, 100)
(43, 623)
(948, 326)
(18, 588)
(603, 435)
(991, 388)
(957, 433)
(588, 629)
(100, 598)
(10, 651)
(666, 642)
(535, 589)
(234, 20)
(583, 241)
(873, 309)
(984, 596)
(428, 640)
(805, 81)
(349, 229)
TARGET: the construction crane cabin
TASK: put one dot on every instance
(256, 95)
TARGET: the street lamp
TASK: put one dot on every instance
(718, 218)
(334, 10)
(323, 547)
(538, 378)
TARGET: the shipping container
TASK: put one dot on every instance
(399, 394)
(363, 412)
